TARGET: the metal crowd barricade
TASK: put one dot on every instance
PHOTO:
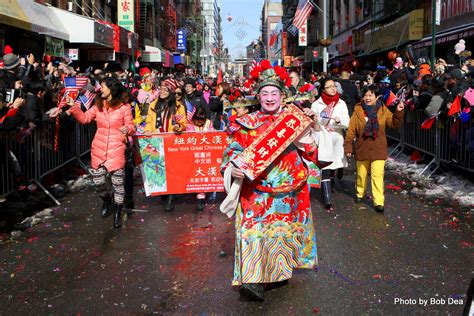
(454, 148)
(447, 141)
(36, 155)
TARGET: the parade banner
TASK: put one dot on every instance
(182, 163)
(269, 145)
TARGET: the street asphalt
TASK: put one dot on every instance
(414, 259)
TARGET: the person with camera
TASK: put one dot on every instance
(367, 127)
(114, 124)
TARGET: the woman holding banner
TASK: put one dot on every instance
(114, 124)
(274, 226)
(166, 115)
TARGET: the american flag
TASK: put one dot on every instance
(97, 86)
(178, 117)
(73, 85)
(86, 99)
(302, 12)
(190, 109)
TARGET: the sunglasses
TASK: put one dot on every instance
(178, 93)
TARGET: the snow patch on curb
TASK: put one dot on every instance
(445, 186)
(80, 183)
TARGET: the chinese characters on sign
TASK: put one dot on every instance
(126, 17)
(185, 163)
(269, 145)
(181, 40)
(303, 34)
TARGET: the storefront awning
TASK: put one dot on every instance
(407, 28)
(32, 16)
(151, 55)
(85, 30)
(450, 35)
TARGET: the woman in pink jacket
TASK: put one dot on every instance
(114, 124)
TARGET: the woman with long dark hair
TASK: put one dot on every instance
(166, 115)
(113, 116)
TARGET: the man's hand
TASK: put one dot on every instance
(19, 102)
(55, 112)
(349, 155)
(310, 113)
(237, 173)
(31, 59)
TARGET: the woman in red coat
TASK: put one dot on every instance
(114, 124)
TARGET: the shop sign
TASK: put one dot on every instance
(181, 40)
(303, 34)
(72, 53)
(125, 17)
(407, 28)
(53, 47)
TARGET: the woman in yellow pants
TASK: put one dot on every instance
(367, 128)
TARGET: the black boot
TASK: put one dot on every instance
(326, 192)
(118, 215)
(128, 206)
(200, 204)
(106, 209)
(252, 291)
(170, 203)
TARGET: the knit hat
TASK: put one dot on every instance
(171, 84)
(10, 61)
(190, 81)
(7, 50)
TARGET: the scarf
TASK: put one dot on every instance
(330, 102)
(372, 125)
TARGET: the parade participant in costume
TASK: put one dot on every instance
(367, 126)
(274, 226)
(200, 123)
(114, 124)
(335, 118)
(165, 115)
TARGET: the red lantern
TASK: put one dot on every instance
(392, 55)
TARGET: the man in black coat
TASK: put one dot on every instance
(350, 91)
